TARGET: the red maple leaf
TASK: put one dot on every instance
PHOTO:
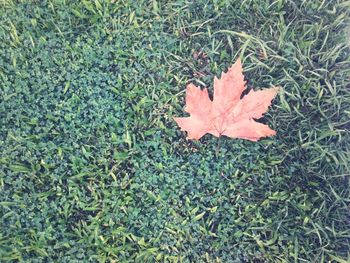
(227, 114)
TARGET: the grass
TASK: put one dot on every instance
(93, 167)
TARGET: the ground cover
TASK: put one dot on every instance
(94, 168)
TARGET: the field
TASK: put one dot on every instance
(93, 167)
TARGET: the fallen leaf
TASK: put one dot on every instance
(227, 114)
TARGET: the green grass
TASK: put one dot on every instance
(94, 169)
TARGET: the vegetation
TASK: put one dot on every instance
(94, 168)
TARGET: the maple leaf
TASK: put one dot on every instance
(227, 114)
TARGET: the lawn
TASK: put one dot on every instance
(93, 167)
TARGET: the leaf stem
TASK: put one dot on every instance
(218, 146)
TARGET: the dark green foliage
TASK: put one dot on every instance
(93, 167)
